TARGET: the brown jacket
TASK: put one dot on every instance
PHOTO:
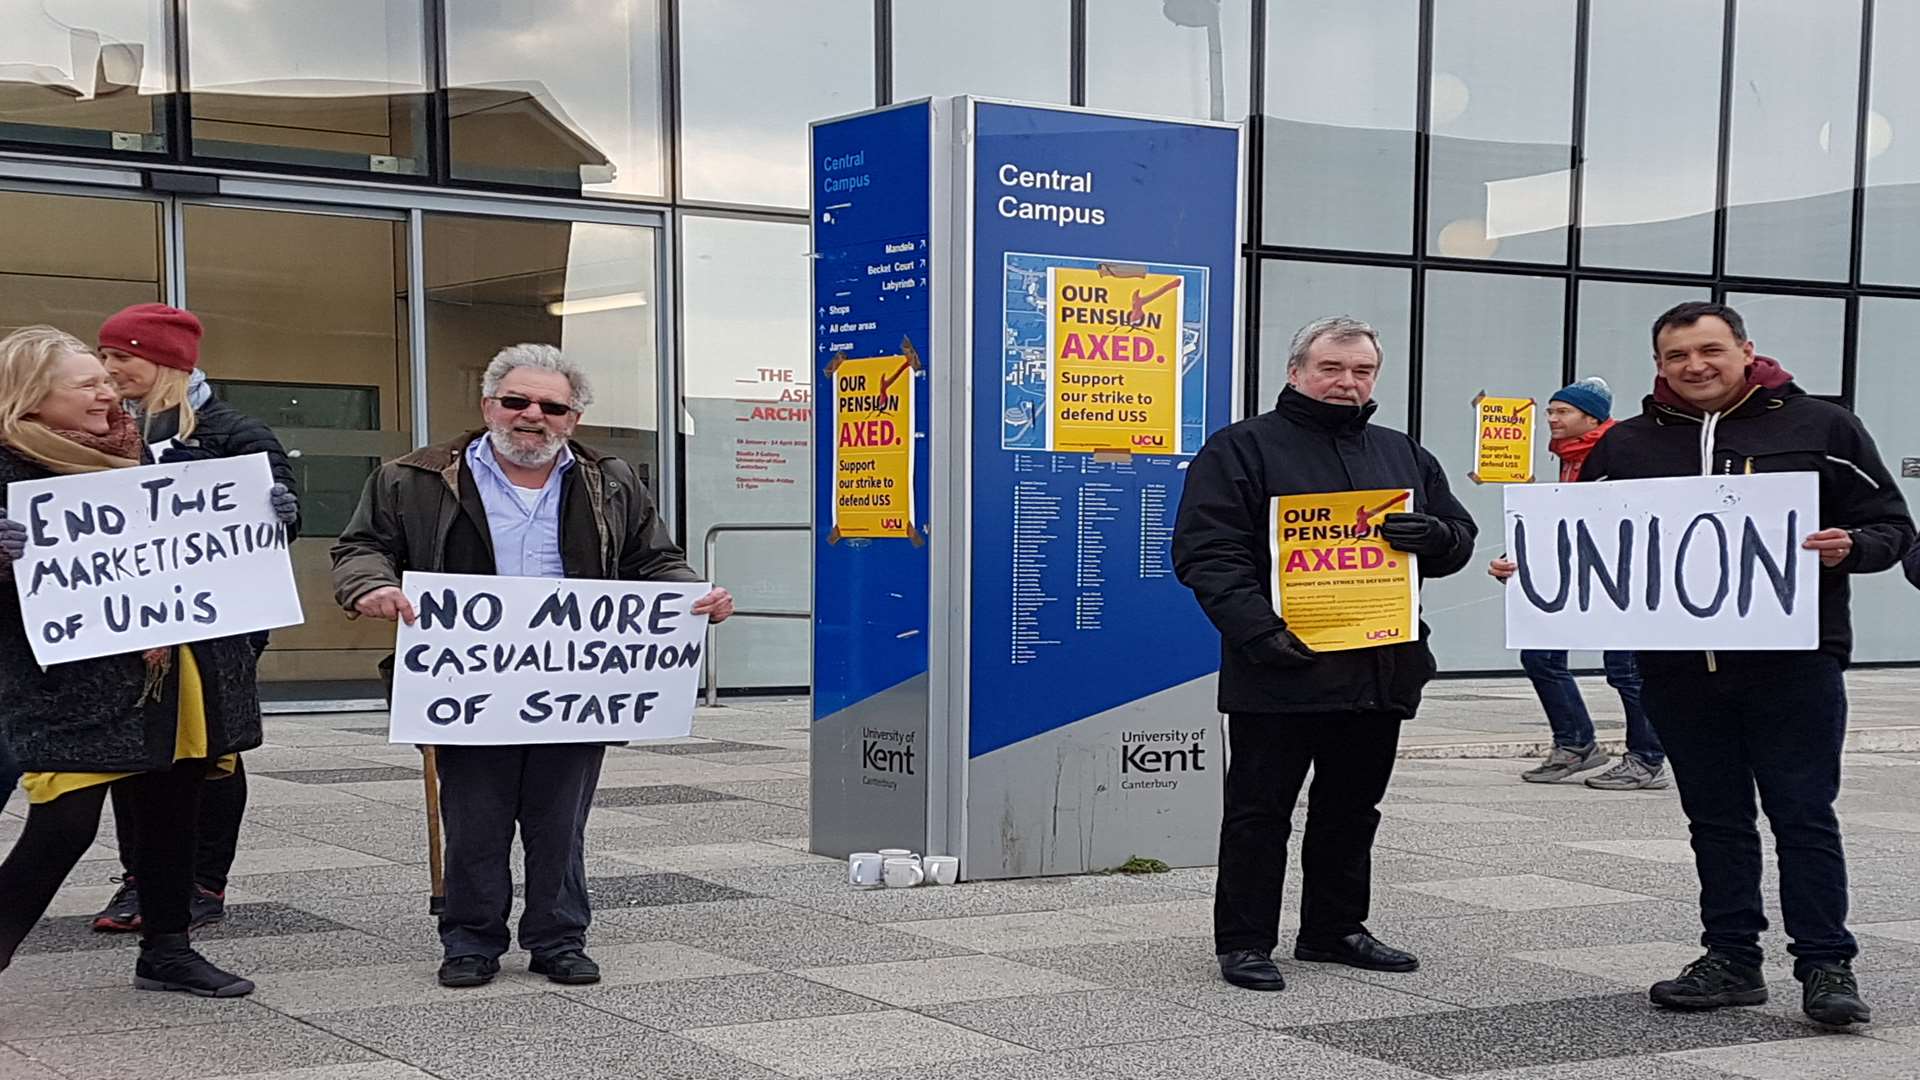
(423, 512)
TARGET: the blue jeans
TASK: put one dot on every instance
(1567, 710)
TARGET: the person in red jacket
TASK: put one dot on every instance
(1578, 416)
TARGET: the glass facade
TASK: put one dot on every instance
(365, 199)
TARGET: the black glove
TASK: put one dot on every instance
(1281, 649)
(1416, 534)
(178, 453)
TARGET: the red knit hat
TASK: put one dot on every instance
(163, 335)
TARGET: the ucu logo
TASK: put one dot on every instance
(1376, 635)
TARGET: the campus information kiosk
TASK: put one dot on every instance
(1025, 327)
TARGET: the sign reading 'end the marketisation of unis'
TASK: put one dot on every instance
(493, 661)
(133, 559)
(1701, 562)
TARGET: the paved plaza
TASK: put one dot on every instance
(1540, 914)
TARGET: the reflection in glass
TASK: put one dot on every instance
(587, 288)
(89, 73)
(70, 261)
(1170, 57)
(1887, 398)
(1499, 333)
(1805, 333)
(1891, 243)
(306, 328)
(1615, 339)
(341, 84)
(740, 144)
(1293, 294)
(1796, 79)
(1501, 116)
(1019, 49)
(562, 95)
(747, 419)
(1652, 139)
(1340, 116)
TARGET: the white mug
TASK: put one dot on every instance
(902, 873)
(941, 869)
(863, 869)
(899, 853)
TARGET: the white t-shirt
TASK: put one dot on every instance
(529, 496)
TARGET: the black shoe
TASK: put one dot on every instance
(1361, 950)
(206, 908)
(461, 972)
(573, 968)
(1830, 995)
(1711, 982)
(122, 913)
(1250, 969)
(168, 962)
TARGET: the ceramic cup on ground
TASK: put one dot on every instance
(941, 869)
(899, 853)
(864, 869)
(901, 873)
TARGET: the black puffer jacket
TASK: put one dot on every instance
(1773, 430)
(87, 716)
(221, 431)
(1221, 550)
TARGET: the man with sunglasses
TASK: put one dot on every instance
(519, 498)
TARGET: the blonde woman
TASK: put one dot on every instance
(148, 724)
(152, 351)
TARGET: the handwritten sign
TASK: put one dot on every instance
(1503, 440)
(1335, 581)
(1699, 562)
(133, 559)
(1114, 349)
(493, 661)
(873, 452)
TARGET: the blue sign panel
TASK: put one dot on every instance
(1105, 253)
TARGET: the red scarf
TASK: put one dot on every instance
(1573, 452)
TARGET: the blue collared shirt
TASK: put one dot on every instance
(525, 524)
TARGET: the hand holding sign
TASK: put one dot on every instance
(13, 540)
(1834, 545)
(386, 602)
(717, 605)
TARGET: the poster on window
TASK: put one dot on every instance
(1503, 440)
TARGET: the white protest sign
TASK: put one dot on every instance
(493, 661)
(1699, 562)
(132, 559)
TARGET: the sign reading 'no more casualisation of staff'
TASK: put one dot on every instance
(133, 559)
(505, 660)
(1702, 562)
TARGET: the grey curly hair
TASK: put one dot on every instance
(540, 358)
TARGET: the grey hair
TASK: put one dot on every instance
(1337, 327)
(539, 358)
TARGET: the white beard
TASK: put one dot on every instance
(514, 453)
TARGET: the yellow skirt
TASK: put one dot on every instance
(189, 744)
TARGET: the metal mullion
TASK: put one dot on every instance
(1422, 168)
(180, 108)
(677, 494)
(668, 445)
(1724, 162)
(439, 148)
(1863, 112)
(1254, 133)
(670, 117)
(417, 321)
(882, 52)
(1576, 191)
(1077, 52)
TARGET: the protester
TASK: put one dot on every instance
(151, 724)
(1735, 721)
(519, 498)
(152, 352)
(1288, 707)
(1577, 416)
(9, 773)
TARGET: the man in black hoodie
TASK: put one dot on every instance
(1736, 721)
(1289, 707)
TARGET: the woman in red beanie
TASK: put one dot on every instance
(152, 351)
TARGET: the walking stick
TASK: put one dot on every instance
(436, 865)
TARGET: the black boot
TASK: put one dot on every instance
(168, 962)
(1830, 995)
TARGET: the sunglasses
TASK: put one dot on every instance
(516, 403)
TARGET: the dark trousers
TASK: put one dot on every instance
(485, 791)
(1567, 711)
(223, 802)
(1775, 725)
(162, 806)
(1351, 756)
(9, 773)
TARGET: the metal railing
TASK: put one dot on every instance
(713, 575)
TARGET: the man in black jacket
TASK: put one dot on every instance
(1288, 707)
(1736, 721)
